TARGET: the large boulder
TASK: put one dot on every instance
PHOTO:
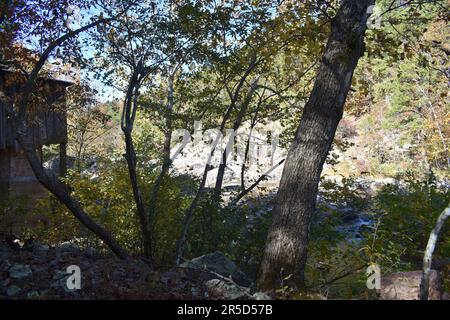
(405, 286)
(216, 263)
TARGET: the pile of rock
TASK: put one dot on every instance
(36, 271)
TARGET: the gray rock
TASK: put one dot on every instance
(223, 290)
(20, 272)
(12, 291)
(261, 296)
(216, 262)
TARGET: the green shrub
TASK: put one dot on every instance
(109, 201)
(407, 212)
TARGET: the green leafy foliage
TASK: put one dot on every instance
(408, 212)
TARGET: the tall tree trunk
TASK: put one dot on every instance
(129, 111)
(130, 157)
(286, 247)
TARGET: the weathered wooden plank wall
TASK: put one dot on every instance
(49, 121)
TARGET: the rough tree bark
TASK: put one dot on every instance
(428, 255)
(286, 247)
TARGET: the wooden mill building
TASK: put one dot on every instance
(48, 120)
